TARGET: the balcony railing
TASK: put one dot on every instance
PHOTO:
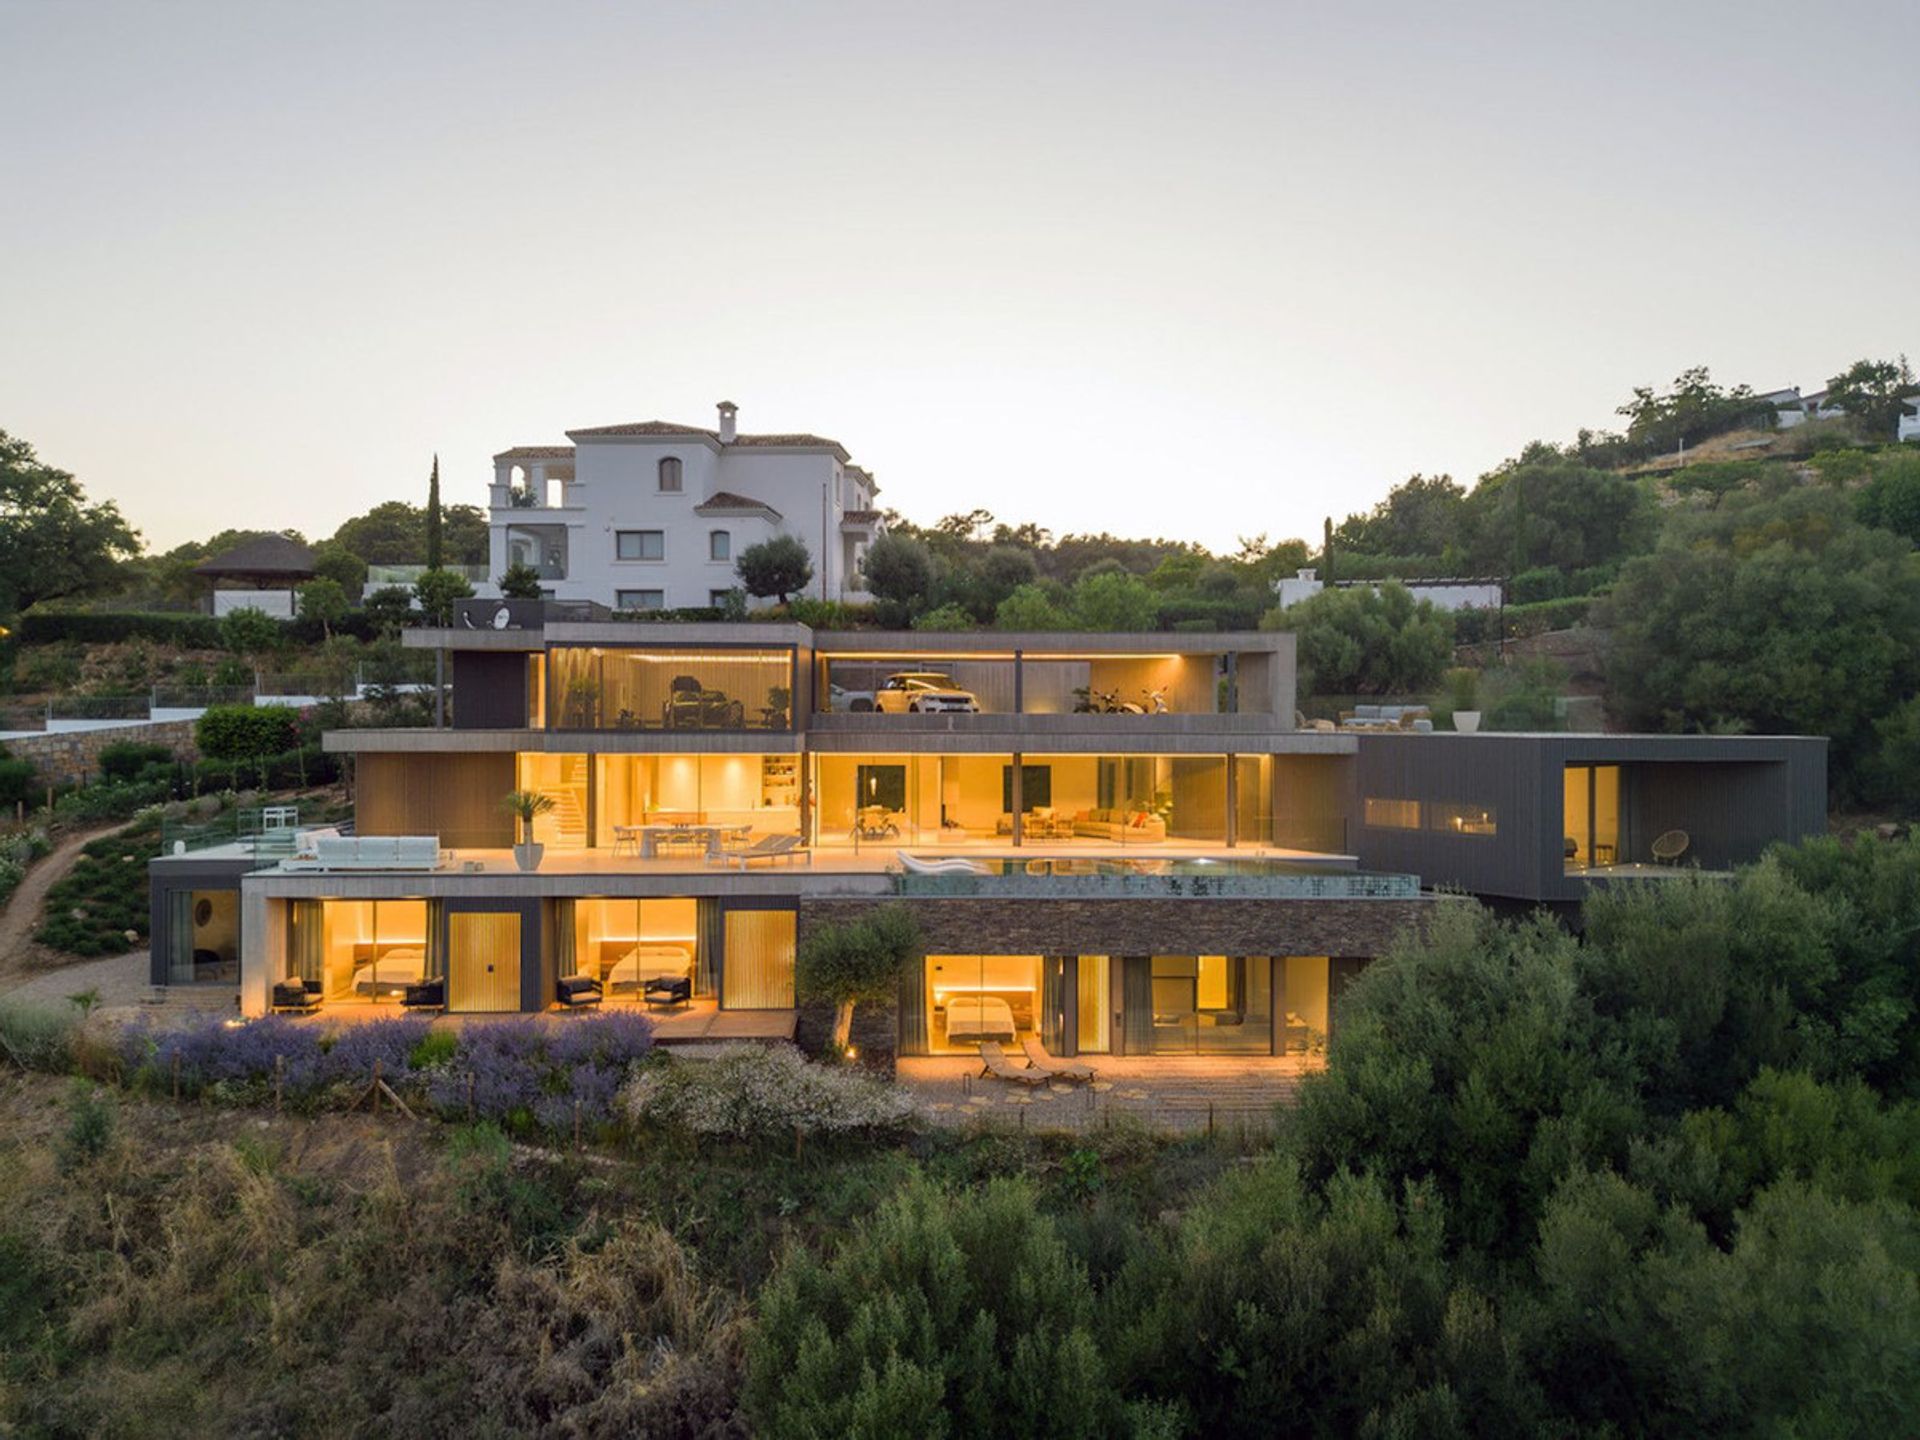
(1182, 878)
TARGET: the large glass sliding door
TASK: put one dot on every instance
(1592, 812)
(1003, 998)
(1209, 1005)
(625, 943)
(373, 949)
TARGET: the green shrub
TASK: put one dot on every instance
(40, 1037)
(757, 1092)
(127, 759)
(89, 1125)
(1530, 586)
(99, 907)
(245, 732)
(189, 632)
(18, 780)
(947, 1313)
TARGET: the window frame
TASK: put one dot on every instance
(670, 466)
(620, 599)
(725, 537)
(640, 544)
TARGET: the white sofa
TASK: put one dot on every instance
(366, 852)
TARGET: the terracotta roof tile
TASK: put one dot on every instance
(537, 452)
(727, 500)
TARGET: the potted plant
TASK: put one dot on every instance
(1463, 691)
(778, 699)
(526, 806)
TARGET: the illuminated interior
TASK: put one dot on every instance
(970, 998)
(1212, 1004)
(1064, 799)
(1145, 683)
(371, 950)
(1305, 1004)
(1592, 801)
(625, 943)
(741, 797)
(616, 688)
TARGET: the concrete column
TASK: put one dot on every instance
(1233, 801)
(1018, 798)
(263, 948)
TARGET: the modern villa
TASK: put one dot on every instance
(1114, 843)
(652, 515)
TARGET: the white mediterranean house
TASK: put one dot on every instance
(652, 515)
(1910, 420)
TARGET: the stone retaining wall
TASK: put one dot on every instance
(58, 757)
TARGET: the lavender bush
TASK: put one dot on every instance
(519, 1072)
(759, 1092)
(527, 1075)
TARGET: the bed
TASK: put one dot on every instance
(391, 971)
(979, 1017)
(649, 960)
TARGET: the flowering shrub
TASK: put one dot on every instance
(527, 1075)
(763, 1092)
(519, 1072)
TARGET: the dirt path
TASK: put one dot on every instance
(22, 914)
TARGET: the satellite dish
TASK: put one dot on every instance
(502, 618)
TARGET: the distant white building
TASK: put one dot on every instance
(1449, 594)
(652, 515)
(1791, 408)
(1910, 420)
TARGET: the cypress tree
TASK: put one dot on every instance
(433, 517)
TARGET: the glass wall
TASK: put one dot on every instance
(983, 682)
(564, 778)
(970, 998)
(957, 799)
(1304, 1004)
(642, 799)
(908, 684)
(373, 949)
(1212, 1004)
(1120, 684)
(757, 972)
(625, 943)
(1592, 801)
(203, 933)
(596, 688)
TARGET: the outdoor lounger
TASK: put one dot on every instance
(994, 1062)
(767, 847)
(1039, 1059)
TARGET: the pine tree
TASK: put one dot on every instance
(433, 517)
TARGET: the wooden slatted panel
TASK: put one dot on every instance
(483, 969)
(758, 973)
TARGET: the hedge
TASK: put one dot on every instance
(241, 732)
(190, 632)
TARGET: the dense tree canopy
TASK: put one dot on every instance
(779, 568)
(1775, 614)
(395, 533)
(1367, 640)
(1873, 393)
(1546, 508)
(53, 542)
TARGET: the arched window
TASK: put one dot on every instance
(719, 545)
(670, 475)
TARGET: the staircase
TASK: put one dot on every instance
(570, 803)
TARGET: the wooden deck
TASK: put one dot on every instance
(1163, 1092)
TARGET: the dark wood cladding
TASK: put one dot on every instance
(975, 926)
(489, 690)
(456, 797)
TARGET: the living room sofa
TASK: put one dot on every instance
(1134, 827)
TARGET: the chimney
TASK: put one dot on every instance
(727, 411)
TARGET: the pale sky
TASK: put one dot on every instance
(1198, 270)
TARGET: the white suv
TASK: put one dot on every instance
(924, 692)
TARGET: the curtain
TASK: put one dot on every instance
(436, 964)
(914, 1039)
(180, 937)
(1136, 1004)
(566, 958)
(1053, 1003)
(306, 940)
(757, 973)
(709, 946)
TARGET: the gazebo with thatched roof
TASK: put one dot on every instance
(266, 562)
(260, 574)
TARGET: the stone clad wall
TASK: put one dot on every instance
(59, 755)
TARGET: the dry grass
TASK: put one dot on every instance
(211, 1274)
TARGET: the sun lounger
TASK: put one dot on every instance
(1039, 1059)
(767, 847)
(949, 865)
(994, 1062)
